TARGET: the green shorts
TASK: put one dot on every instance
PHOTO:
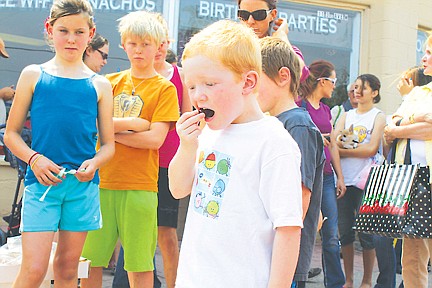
(130, 215)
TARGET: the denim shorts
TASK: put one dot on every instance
(70, 205)
(347, 211)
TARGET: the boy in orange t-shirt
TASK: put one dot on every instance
(129, 181)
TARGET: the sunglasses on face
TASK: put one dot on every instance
(332, 80)
(103, 54)
(258, 15)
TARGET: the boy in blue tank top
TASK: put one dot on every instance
(71, 108)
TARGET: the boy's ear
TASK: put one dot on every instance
(48, 28)
(284, 77)
(250, 82)
(92, 33)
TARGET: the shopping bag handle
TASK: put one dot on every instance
(407, 157)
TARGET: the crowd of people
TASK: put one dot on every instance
(227, 129)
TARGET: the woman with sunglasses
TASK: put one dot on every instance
(260, 15)
(96, 54)
(320, 84)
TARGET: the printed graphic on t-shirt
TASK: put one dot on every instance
(362, 132)
(212, 179)
(127, 105)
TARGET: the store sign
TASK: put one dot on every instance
(115, 5)
(217, 10)
(320, 32)
(326, 25)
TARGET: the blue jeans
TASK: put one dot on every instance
(386, 258)
(333, 274)
(121, 278)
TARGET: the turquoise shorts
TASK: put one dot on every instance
(130, 215)
(71, 206)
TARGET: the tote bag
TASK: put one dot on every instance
(397, 201)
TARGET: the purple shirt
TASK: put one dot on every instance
(322, 119)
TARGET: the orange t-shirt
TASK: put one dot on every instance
(156, 101)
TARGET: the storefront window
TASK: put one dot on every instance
(320, 32)
(23, 32)
(420, 47)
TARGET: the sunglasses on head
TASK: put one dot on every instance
(258, 15)
(103, 54)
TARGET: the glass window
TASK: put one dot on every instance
(23, 32)
(320, 32)
(420, 47)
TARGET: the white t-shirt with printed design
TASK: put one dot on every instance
(363, 125)
(247, 183)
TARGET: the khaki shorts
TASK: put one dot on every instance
(130, 215)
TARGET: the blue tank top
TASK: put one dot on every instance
(63, 118)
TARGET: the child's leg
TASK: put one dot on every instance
(139, 237)
(67, 256)
(94, 280)
(36, 249)
(141, 279)
(348, 262)
(368, 264)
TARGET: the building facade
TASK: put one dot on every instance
(382, 37)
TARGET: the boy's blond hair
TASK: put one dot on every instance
(232, 44)
(276, 54)
(142, 24)
(163, 22)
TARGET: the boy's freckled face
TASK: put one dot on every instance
(213, 86)
(140, 51)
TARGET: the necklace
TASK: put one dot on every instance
(133, 86)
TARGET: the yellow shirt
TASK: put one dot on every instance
(419, 100)
(154, 100)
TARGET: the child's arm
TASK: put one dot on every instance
(150, 139)
(44, 170)
(285, 254)
(181, 170)
(105, 130)
(371, 148)
(134, 124)
(306, 196)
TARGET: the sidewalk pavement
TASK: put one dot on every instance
(316, 282)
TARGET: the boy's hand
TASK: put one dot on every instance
(140, 124)
(188, 127)
(86, 171)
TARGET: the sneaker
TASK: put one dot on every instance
(314, 272)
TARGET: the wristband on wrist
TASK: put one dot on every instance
(31, 157)
(34, 162)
